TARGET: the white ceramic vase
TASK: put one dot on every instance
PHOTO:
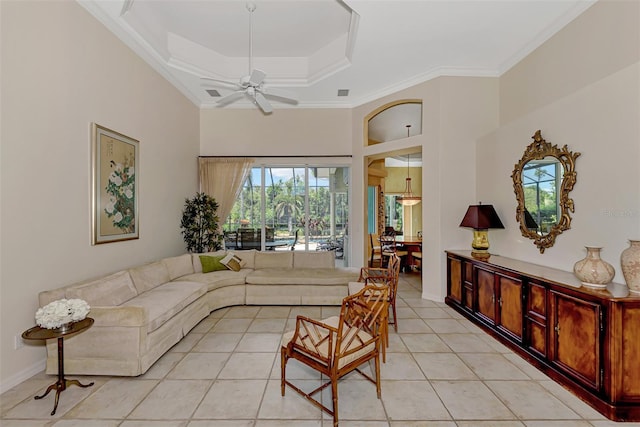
(630, 263)
(593, 271)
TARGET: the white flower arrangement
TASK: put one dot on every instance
(60, 312)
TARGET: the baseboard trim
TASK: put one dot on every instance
(432, 297)
(23, 375)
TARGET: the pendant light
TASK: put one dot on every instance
(408, 198)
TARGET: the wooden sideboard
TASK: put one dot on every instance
(585, 339)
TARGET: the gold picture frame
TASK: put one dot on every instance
(115, 172)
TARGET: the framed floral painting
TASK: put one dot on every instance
(114, 199)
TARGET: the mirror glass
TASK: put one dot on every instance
(542, 181)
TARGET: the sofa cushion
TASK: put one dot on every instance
(232, 262)
(165, 301)
(302, 276)
(178, 266)
(148, 276)
(248, 256)
(197, 265)
(110, 290)
(212, 263)
(218, 279)
(314, 259)
(273, 259)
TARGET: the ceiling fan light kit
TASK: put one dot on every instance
(251, 85)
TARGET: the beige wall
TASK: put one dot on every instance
(285, 132)
(585, 83)
(62, 70)
(456, 112)
(599, 42)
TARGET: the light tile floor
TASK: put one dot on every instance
(441, 371)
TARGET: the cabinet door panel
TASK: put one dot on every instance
(631, 352)
(486, 294)
(577, 338)
(510, 304)
(455, 280)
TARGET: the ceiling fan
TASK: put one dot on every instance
(252, 85)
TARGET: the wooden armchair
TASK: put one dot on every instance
(382, 276)
(338, 345)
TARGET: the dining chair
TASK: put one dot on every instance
(338, 345)
(295, 241)
(389, 246)
(417, 258)
(374, 248)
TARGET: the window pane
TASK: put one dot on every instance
(285, 204)
(284, 208)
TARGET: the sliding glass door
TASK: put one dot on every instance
(291, 208)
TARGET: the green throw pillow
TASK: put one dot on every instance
(211, 263)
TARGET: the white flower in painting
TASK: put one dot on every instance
(117, 217)
(131, 171)
(113, 177)
(128, 193)
(118, 167)
(111, 205)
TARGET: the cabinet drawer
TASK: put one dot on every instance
(536, 318)
(537, 300)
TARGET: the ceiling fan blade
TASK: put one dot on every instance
(207, 81)
(262, 102)
(256, 77)
(227, 99)
(281, 95)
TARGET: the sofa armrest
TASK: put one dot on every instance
(119, 316)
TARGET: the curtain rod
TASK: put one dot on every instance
(271, 157)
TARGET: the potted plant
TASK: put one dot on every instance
(199, 224)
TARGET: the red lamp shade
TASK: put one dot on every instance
(481, 217)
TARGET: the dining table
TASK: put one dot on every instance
(410, 244)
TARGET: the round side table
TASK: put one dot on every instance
(38, 333)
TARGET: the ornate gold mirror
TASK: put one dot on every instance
(542, 181)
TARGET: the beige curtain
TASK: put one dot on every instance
(222, 179)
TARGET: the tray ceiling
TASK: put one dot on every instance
(315, 48)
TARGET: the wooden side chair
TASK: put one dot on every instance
(389, 246)
(374, 247)
(417, 260)
(382, 276)
(338, 345)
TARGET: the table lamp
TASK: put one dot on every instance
(481, 218)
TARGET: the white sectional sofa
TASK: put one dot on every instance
(142, 312)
